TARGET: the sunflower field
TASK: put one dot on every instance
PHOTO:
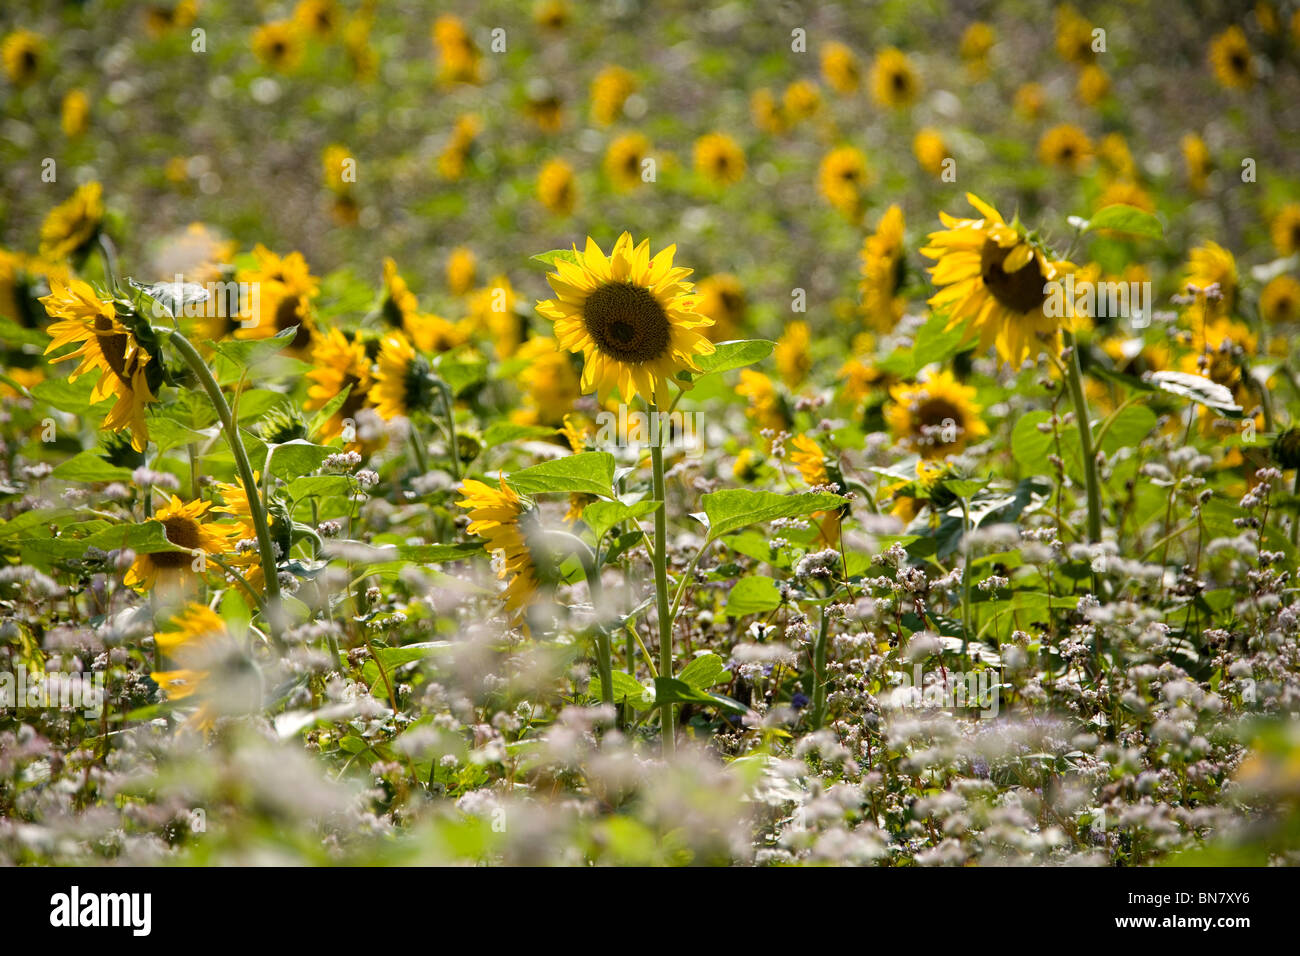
(630, 433)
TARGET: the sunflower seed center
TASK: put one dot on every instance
(626, 322)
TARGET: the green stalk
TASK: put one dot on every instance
(819, 673)
(228, 425)
(965, 578)
(445, 390)
(661, 580)
(1074, 379)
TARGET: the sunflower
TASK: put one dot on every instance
(842, 179)
(401, 310)
(800, 101)
(161, 19)
(358, 49)
(557, 189)
(247, 559)
(909, 497)
(279, 44)
(1196, 157)
(1215, 347)
(552, 14)
(766, 112)
(861, 380)
(976, 42)
(1029, 100)
(1211, 264)
(108, 347)
(23, 53)
(810, 461)
(719, 160)
(722, 298)
(624, 159)
(791, 354)
(319, 17)
(1115, 156)
(930, 150)
(494, 310)
(936, 417)
(335, 167)
(549, 382)
(72, 226)
(495, 515)
(882, 272)
(631, 316)
(1093, 85)
(452, 160)
(840, 68)
(609, 92)
(1285, 229)
(461, 267)
(1128, 193)
(544, 107)
(207, 667)
(1073, 36)
(765, 404)
(1280, 300)
(339, 364)
(1231, 60)
(894, 82)
(458, 58)
(402, 382)
(993, 280)
(286, 289)
(186, 525)
(1065, 146)
(74, 114)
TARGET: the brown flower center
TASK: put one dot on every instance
(183, 531)
(626, 322)
(1020, 291)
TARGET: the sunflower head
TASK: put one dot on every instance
(339, 363)
(609, 91)
(1285, 229)
(1231, 59)
(935, 418)
(631, 316)
(403, 382)
(207, 667)
(810, 461)
(549, 381)
(894, 82)
(722, 298)
(719, 160)
(843, 178)
(504, 520)
(883, 270)
(279, 44)
(1279, 302)
(624, 159)
(71, 228)
(461, 267)
(840, 68)
(1065, 146)
(188, 526)
(23, 53)
(993, 279)
(1209, 264)
(557, 188)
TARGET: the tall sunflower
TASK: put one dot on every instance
(402, 382)
(631, 316)
(108, 347)
(72, 226)
(339, 364)
(936, 417)
(882, 272)
(189, 526)
(993, 278)
(1211, 264)
(495, 515)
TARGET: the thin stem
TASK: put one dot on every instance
(819, 673)
(445, 391)
(1074, 378)
(965, 577)
(661, 582)
(264, 544)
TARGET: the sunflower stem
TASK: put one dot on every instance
(819, 672)
(1074, 379)
(264, 544)
(661, 581)
(454, 451)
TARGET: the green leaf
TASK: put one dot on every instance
(87, 466)
(70, 397)
(1128, 428)
(167, 433)
(753, 595)
(392, 657)
(549, 259)
(670, 690)
(502, 433)
(730, 355)
(1127, 219)
(704, 671)
(933, 342)
(600, 516)
(626, 689)
(734, 508)
(320, 486)
(460, 373)
(296, 458)
(590, 473)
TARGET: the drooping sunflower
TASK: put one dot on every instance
(624, 159)
(722, 298)
(187, 525)
(719, 160)
(882, 272)
(609, 92)
(840, 68)
(72, 226)
(842, 178)
(339, 364)
(495, 515)
(1065, 146)
(23, 52)
(936, 417)
(109, 348)
(894, 82)
(791, 354)
(1211, 264)
(1285, 229)
(1231, 59)
(992, 278)
(1279, 302)
(279, 44)
(461, 267)
(549, 382)
(631, 316)
(402, 382)
(557, 189)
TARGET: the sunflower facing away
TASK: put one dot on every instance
(107, 346)
(992, 278)
(882, 272)
(72, 226)
(494, 515)
(936, 417)
(188, 526)
(631, 316)
(339, 364)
